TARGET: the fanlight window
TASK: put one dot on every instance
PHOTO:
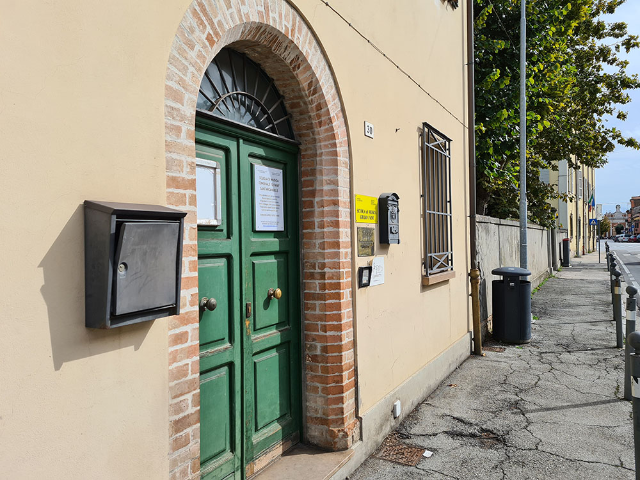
(237, 89)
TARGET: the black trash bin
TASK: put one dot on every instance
(566, 252)
(511, 305)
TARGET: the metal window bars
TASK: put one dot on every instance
(436, 197)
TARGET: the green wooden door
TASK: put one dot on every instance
(250, 342)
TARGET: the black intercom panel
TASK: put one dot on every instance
(389, 214)
(133, 263)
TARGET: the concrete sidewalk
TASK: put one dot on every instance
(551, 409)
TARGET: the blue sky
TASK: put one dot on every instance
(620, 178)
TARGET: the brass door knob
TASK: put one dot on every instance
(208, 304)
(271, 294)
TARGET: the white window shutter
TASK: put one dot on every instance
(579, 184)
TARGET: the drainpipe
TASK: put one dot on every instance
(474, 274)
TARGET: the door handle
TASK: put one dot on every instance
(208, 304)
(271, 294)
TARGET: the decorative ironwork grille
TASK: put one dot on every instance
(235, 88)
(436, 197)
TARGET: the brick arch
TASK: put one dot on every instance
(273, 34)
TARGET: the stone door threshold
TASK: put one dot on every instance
(304, 461)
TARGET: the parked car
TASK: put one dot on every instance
(617, 237)
(633, 239)
(625, 238)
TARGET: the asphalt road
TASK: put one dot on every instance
(629, 254)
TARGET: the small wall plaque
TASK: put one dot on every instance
(368, 129)
(366, 241)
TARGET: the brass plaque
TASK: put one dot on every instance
(365, 241)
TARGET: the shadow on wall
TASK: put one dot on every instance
(63, 293)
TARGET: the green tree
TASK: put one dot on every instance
(605, 226)
(619, 229)
(569, 95)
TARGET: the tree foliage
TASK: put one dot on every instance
(619, 229)
(574, 78)
(605, 226)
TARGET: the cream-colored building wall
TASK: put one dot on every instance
(401, 325)
(576, 206)
(82, 94)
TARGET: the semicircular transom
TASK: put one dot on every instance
(236, 88)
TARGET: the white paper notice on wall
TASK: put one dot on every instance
(377, 271)
(269, 199)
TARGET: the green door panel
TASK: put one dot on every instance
(272, 386)
(216, 393)
(249, 365)
(215, 326)
(270, 272)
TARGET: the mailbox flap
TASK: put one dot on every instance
(145, 267)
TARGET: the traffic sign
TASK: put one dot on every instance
(593, 221)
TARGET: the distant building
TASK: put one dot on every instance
(634, 215)
(616, 218)
(575, 204)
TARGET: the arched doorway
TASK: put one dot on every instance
(275, 37)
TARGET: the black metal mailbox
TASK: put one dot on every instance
(132, 261)
(389, 213)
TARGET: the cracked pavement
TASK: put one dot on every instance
(551, 409)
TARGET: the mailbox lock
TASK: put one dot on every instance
(122, 267)
(271, 294)
(208, 304)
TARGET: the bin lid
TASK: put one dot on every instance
(511, 272)
(566, 239)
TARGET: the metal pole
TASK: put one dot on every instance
(523, 136)
(474, 274)
(632, 306)
(611, 279)
(633, 339)
(599, 239)
(617, 308)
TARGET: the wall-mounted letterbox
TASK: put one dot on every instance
(132, 262)
(389, 212)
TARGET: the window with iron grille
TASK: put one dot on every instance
(436, 198)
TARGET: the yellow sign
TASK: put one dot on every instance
(366, 209)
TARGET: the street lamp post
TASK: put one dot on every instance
(523, 136)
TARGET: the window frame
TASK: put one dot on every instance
(436, 203)
(217, 221)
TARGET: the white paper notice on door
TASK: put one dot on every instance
(269, 199)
